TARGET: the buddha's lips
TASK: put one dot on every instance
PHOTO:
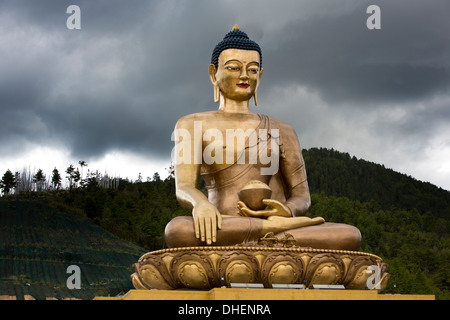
(243, 85)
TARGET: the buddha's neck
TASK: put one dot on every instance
(234, 106)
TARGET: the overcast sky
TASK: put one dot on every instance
(111, 92)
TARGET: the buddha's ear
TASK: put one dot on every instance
(259, 78)
(255, 96)
(212, 75)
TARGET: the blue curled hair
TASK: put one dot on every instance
(235, 39)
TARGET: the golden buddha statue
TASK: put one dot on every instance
(231, 147)
(251, 227)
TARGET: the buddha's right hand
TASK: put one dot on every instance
(207, 219)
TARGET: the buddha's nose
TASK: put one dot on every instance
(244, 74)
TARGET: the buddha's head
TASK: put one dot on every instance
(236, 67)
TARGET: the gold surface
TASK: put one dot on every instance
(204, 147)
(230, 148)
(208, 267)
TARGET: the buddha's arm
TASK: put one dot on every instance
(293, 170)
(186, 171)
(186, 179)
(207, 218)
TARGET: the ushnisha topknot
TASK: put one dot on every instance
(235, 39)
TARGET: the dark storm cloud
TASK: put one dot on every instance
(338, 56)
(119, 83)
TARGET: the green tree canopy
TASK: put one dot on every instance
(56, 179)
(8, 182)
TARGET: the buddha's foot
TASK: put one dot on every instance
(278, 224)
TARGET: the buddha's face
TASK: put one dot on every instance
(237, 74)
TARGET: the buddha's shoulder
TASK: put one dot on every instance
(199, 116)
(284, 126)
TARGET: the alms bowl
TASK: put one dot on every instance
(253, 193)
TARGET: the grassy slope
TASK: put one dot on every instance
(39, 242)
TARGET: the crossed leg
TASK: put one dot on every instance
(314, 233)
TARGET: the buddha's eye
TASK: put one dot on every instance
(253, 70)
(232, 68)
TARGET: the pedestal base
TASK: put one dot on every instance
(205, 268)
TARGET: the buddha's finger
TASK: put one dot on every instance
(208, 230)
(241, 205)
(219, 221)
(277, 208)
(242, 208)
(242, 212)
(197, 228)
(273, 203)
(202, 228)
(213, 229)
(247, 212)
(270, 202)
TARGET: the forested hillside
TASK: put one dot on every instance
(338, 174)
(135, 211)
(404, 221)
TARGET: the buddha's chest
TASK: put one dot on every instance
(225, 142)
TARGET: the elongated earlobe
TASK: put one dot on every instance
(216, 93)
(212, 75)
(255, 96)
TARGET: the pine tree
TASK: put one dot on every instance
(56, 179)
(156, 177)
(39, 179)
(8, 182)
(73, 176)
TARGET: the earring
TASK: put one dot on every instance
(216, 93)
(255, 99)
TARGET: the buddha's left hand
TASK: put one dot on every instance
(278, 209)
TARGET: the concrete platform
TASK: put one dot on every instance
(263, 294)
